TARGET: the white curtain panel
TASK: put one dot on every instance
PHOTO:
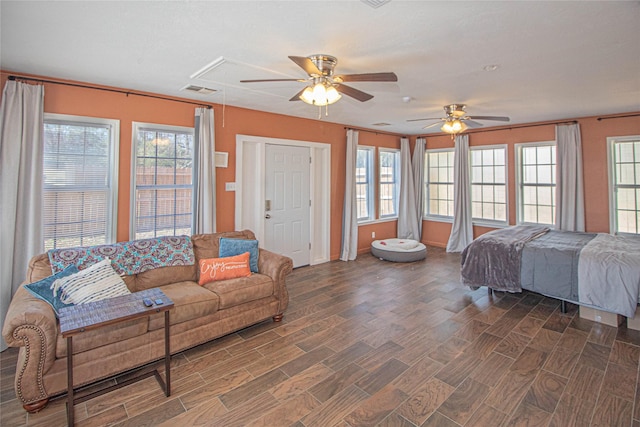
(205, 197)
(21, 160)
(462, 229)
(569, 179)
(349, 249)
(408, 220)
(418, 180)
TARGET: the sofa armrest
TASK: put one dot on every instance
(31, 323)
(277, 267)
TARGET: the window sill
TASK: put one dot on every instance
(438, 218)
(377, 221)
(490, 224)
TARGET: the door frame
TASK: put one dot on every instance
(250, 191)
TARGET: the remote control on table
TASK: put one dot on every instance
(147, 302)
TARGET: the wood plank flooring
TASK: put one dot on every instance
(373, 343)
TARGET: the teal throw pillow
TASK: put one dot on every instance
(232, 247)
(42, 289)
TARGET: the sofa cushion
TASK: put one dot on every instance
(102, 336)
(190, 301)
(208, 245)
(234, 292)
(165, 275)
(212, 269)
(232, 247)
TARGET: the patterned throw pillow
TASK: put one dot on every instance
(43, 289)
(99, 281)
(212, 269)
(231, 247)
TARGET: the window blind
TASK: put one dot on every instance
(77, 183)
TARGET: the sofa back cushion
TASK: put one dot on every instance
(165, 276)
(208, 245)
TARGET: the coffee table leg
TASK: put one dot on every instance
(167, 354)
(70, 381)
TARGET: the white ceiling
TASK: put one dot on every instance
(555, 60)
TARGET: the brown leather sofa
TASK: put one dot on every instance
(201, 313)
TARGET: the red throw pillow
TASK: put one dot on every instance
(212, 269)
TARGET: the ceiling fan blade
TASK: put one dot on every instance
(354, 93)
(472, 124)
(367, 77)
(307, 65)
(296, 97)
(273, 80)
(498, 118)
(431, 125)
(428, 118)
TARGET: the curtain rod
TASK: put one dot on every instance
(126, 92)
(375, 131)
(564, 122)
(618, 117)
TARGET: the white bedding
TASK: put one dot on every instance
(609, 273)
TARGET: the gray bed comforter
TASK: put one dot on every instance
(550, 263)
(609, 273)
(494, 258)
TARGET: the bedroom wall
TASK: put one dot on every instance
(63, 99)
(96, 103)
(594, 135)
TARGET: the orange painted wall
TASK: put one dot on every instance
(64, 99)
(594, 135)
(127, 109)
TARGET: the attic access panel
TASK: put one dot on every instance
(228, 72)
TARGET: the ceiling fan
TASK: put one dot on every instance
(457, 121)
(324, 87)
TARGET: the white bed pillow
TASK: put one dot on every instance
(100, 281)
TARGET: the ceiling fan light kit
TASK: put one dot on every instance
(456, 120)
(453, 126)
(320, 94)
(324, 88)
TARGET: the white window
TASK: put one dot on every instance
(80, 180)
(364, 183)
(624, 183)
(389, 182)
(536, 182)
(489, 184)
(439, 183)
(163, 159)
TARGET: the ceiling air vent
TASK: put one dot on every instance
(199, 89)
(375, 3)
(381, 124)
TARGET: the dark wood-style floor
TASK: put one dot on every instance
(372, 343)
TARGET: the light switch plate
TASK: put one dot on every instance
(230, 186)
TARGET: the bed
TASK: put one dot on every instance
(595, 270)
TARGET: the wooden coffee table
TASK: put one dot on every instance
(80, 318)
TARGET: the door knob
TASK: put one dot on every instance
(267, 216)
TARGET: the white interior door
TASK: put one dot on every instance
(287, 202)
